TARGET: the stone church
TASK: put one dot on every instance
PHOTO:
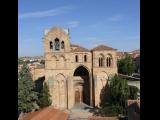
(73, 73)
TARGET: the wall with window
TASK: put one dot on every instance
(82, 57)
(56, 40)
(104, 61)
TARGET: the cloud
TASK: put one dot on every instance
(46, 13)
(117, 17)
(73, 24)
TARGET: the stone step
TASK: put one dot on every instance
(79, 115)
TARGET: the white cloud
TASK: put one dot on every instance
(51, 12)
(73, 24)
(117, 17)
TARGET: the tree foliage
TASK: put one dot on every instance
(20, 61)
(133, 92)
(42, 62)
(44, 97)
(26, 95)
(126, 65)
(119, 93)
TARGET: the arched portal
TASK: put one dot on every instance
(60, 100)
(82, 74)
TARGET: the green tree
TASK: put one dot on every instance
(26, 91)
(126, 65)
(44, 97)
(20, 61)
(42, 62)
(119, 93)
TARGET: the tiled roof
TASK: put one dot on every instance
(120, 53)
(48, 113)
(73, 45)
(102, 47)
(80, 49)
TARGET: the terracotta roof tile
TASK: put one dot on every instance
(102, 47)
(48, 113)
(73, 45)
(80, 49)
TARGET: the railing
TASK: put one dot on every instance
(129, 77)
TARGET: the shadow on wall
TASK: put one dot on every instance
(39, 84)
(104, 95)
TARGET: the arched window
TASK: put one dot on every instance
(62, 45)
(85, 58)
(109, 62)
(76, 58)
(57, 44)
(51, 45)
(99, 62)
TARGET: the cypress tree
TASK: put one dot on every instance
(44, 97)
(27, 96)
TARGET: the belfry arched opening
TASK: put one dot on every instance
(82, 85)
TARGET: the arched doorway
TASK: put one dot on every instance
(77, 96)
(83, 73)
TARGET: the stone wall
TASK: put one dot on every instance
(62, 63)
(103, 73)
(37, 73)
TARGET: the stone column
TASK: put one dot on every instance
(91, 99)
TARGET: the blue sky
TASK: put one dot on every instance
(115, 23)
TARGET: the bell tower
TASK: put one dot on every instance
(56, 40)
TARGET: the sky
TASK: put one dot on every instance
(115, 23)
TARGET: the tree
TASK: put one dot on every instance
(26, 91)
(42, 62)
(44, 97)
(119, 93)
(20, 61)
(126, 65)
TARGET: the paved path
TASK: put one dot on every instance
(80, 111)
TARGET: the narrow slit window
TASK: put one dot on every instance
(85, 58)
(76, 57)
(51, 44)
(62, 45)
(57, 45)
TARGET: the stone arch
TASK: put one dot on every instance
(102, 77)
(82, 80)
(109, 60)
(54, 61)
(54, 57)
(82, 66)
(101, 60)
(101, 82)
(56, 44)
(60, 91)
(62, 45)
